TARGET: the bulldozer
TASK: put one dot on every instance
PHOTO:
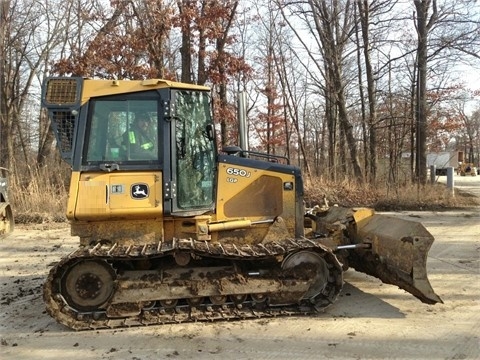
(7, 223)
(173, 230)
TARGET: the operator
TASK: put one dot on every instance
(140, 138)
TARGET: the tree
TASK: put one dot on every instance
(120, 43)
(364, 10)
(424, 23)
(448, 32)
(136, 40)
(29, 35)
(4, 130)
(333, 24)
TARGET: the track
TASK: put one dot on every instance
(222, 282)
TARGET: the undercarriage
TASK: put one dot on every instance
(109, 286)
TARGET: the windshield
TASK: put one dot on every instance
(123, 130)
(194, 148)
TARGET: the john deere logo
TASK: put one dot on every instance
(139, 191)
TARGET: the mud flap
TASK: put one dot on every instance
(398, 253)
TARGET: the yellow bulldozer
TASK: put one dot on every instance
(172, 230)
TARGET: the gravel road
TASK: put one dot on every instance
(370, 320)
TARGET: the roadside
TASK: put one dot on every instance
(469, 184)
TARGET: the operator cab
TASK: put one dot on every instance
(134, 131)
(166, 130)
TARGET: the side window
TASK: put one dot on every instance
(123, 130)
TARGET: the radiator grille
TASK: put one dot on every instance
(61, 91)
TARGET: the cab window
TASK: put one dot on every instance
(123, 130)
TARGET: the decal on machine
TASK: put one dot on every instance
(139, 191)
(237, 173)
(117, 189)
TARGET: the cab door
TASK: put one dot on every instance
(193, 153)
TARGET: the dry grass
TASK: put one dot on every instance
(387, 198)
(42, 199)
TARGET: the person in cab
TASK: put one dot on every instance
(139, 140)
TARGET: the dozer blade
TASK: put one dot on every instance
(398, 253)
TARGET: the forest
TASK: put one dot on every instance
(349, 90)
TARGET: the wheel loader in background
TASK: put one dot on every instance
(173, 231)
(465, 169)
(6, 214)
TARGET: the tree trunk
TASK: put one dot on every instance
(331, 120)
(186, 47)
(366, 149)
(372, 100)
(4, 159)
(423, 27)
(348, 129)
(46, 139)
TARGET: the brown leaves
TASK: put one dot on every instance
(140, 40)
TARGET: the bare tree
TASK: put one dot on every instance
(333, 24)
(4, 125)
(424, 23)
(446, 32)
(58, 29)
(364, 10)
(29, 33)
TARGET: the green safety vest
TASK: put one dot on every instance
(132, 140)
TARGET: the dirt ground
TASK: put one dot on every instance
(369, 321)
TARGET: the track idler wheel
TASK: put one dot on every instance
(310, 265)
(88, 285)
(324, 272)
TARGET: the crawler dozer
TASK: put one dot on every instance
(6, 214)
(172, 230)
